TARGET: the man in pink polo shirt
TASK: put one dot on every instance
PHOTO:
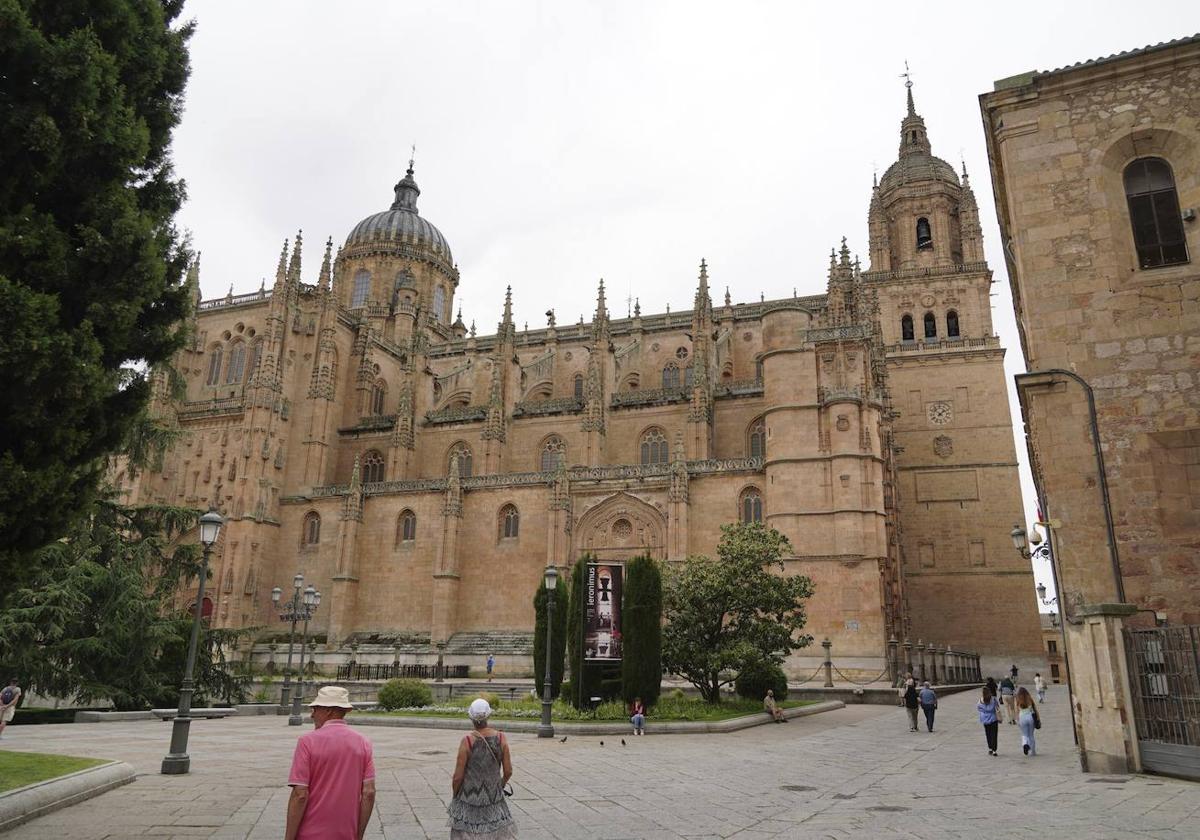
(333, 775)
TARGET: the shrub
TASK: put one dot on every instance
(492, 698)
(677, 694)
(756, 677)
(402, 694)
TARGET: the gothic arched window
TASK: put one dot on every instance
(930, 325)
(439, 303)
(1154, 213)
(463, 452)
(362, 289)
(237, 363)
(554, 453)
(654, 447)
(750, 506)
(906, 329)
(758, 439)
(952, 324)
(406, 527)
(310, 533)
(214, 365)
(378, 397)
(579, 386)
(670, 378)
(510, 522)
(255, 358)
(924, 234)
(689, 376)
(373, 467)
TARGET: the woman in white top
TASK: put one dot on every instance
(1039, 685)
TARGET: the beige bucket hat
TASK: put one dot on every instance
(333, 696)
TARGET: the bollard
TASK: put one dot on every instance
(920, 661)
(828, 663)
(908, 662)
(893, 663)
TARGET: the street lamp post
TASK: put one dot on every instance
(177, 760)
(290, 613)
(312, 600)
(546, 728)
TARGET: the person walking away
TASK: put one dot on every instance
(479, 809)
(772, 708)
(638, 716)
(1013, 673)
(928, 699)
(491, 663)
(1039, 685)
(1028, 720)
(1008, 691)
(995, 689)
(989, 708)
(911, 702)
(332, 776)
(9, 697)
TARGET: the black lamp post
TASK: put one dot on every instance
(546, 728)
(312, 600)
(290, 612)
(178, 761)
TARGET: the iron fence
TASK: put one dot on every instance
(1165, 681)
(354, 671)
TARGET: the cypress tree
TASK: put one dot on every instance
(641, 620)
(91, 265)
(574, 634)
(558, 640)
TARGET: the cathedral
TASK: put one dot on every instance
(422, 476)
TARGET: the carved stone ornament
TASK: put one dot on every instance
(928, 300)
(943, 446)
(843, 423)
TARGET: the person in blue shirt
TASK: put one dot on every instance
(989, 707)
(928, 699)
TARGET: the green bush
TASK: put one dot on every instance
(491, 697)
(755, 678)
(403, 694)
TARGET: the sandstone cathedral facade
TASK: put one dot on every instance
(422, 476)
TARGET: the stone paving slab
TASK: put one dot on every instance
(852, 773)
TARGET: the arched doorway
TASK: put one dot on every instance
(621, 527)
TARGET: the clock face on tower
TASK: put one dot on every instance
(939, 413)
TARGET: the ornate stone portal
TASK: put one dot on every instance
(620, 527)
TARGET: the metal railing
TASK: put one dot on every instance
(1165, 681)
(354, 671)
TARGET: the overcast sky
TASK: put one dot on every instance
(561, 142)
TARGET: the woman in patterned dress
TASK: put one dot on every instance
(479, 809)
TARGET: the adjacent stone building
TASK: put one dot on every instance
(1096, 169)
(422, 475)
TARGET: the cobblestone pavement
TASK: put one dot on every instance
(851, 773)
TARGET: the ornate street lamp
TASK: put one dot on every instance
(312, 600)
(546, 728)
(290, 611)
(178, 761)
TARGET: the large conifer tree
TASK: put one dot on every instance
(91, 265)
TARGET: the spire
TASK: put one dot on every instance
(193, 280)
(913, 139)
(637, 307)
(601, 303)
(293, 270)
(281, 269)
(407, 192)
(326, 278)
(728, 299)
(845, 254)
(912, 108)
(507, 320)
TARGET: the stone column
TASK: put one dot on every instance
(1100, 689)
(933, 664)
(908, 661)
(828, 663)
(945, 673)
(920, 661)
(893, 661)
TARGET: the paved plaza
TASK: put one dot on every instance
(852, 773)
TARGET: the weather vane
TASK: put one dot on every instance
(412, 159)
(906, 75)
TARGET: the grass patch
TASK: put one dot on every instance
(18, 769)
(668, 709)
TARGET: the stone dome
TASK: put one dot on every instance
(401, 224)
(917, 167)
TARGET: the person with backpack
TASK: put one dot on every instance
(911, 703)
(9, 697)
(1008, 692)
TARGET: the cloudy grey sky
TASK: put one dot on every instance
(560, 142)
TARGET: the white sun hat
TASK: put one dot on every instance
(334, 697)
(480, 710)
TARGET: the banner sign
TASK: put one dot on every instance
(602, 612)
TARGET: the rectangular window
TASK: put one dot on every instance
(1051, 646)
(1054, 672)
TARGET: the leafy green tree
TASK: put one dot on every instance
(98, 619)
(641, 631)
(739, 608)
(91, 265)
(558, 639)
